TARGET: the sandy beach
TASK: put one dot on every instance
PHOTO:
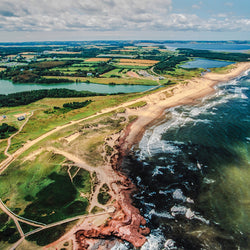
(180, 94)
(126, 222)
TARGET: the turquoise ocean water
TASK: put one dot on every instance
(192, 170)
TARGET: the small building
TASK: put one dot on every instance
(89, 74)
(21, 118)
(4, 116)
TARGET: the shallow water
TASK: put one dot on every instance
(211, 46)
(193, 170)
(7, 87)
(205, 64)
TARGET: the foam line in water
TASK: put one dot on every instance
(189, 214)
(163, 214)
(155, 241)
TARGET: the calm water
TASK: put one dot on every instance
(205, 64)
(193, 170)
(210, 46)
(7, 87)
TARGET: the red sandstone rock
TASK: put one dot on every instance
(127, 223)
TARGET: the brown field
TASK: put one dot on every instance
(137, 62)
(11, 56)
(130, 47)
(27, 53)
(133, 74)
(97, 59)
(28, 56)
(2, 69)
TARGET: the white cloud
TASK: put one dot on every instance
(196, 6)
(106, 15)
(230, 4)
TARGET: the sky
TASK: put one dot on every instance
(82, 20)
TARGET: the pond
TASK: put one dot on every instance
(205, 64)
(8, 87)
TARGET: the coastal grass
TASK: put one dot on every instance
(22, 178)
(183, 74)
(138, 105)
(42, 122)
(50, 235)
(223, 70)
(38, 187)
(36, 184)
(90, 144)
(3, 145)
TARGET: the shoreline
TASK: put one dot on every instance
(126, 222)
(181, 94)
(123, 220)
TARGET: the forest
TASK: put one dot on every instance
(27, 97)
(229, 56)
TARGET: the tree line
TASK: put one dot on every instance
(6, 130)
(27, 97)
(228, 56)
(76, 105)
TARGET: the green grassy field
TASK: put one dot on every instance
(39, 188)
(183, 74)
(117, 72)
(222, 70)
(42, 122)
(130, 66)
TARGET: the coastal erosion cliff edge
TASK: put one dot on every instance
(124, 221)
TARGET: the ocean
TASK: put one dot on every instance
(192, 170)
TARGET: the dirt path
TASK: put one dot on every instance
(18, 218)
(104, 174)
(157, 103)
(9, 139)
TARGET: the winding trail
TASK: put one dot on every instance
(9, 139)
(23, 235)
(19, 218)
(157, 103)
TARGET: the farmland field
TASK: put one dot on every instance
(137, 62)
(99, 59)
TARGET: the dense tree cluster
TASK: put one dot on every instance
(23, 98)
(229, 56)
(170, 63)
(76, 105)
(6, 130)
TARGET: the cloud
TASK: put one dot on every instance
(229, 4)
(106, 15)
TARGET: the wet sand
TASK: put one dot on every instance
(183, 93)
